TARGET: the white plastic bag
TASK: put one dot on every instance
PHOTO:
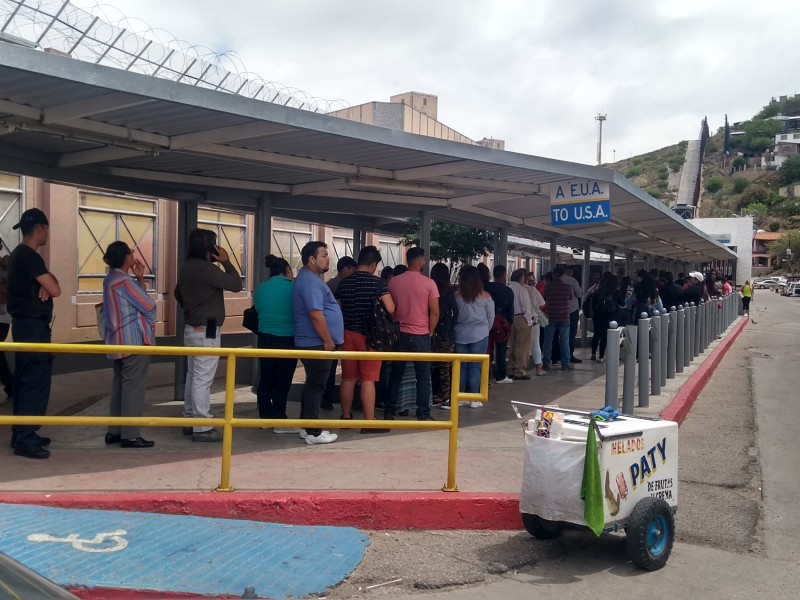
(551, 479)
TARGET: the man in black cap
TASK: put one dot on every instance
(31, 289)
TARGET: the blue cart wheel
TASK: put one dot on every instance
(650, 533)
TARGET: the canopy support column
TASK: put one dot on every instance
(187, 221)
(501, 254)
(425, 237)
(587, 265)
(612, 258)
(553, 254)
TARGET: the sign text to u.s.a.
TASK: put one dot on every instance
(578, 202)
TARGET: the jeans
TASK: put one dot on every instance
(563, 334)
(32, 374)
(200, 374)
(317, 372)
(471, 372)
(574, 318)
(411, 343)
(275, 377)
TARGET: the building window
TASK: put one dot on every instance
(391, 251)
(11, 201)
(342, 246)
(105, 218)
(784, 136)
(796, 136)
(288, 239)
(231, 230)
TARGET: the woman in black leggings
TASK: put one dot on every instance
(605, 306)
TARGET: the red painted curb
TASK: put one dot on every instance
(364, 510)
(682, 403)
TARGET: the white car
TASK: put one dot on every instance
(792, 289)
(769, 282)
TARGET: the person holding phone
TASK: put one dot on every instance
(199, 292)
(130, 320)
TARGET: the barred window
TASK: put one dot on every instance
(231, 230)
(11, 203)
(288, 238)
(106, 218)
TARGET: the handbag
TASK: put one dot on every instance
(250, 319)
(500, 331)
(544, 321)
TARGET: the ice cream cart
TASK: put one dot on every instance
(638, 463)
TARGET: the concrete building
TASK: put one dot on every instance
(736, 234)
(762, 261)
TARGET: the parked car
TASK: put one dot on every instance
(793, 289)
(768, 282)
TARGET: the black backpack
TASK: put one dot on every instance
(605, 305)
(383, 331)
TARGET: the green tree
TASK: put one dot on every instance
(740, 184)
(755, 193)
(790, 170)
(455, 244)
(774, 226)
(714, 184)
(739, 162)
(759, 134)
(711, 147)
(777, 250)
(758, 211)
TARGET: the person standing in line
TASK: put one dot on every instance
(726, 287)
(747, 296)
(273, 301)
(199, 292)
(6, 377)
(129, 315)
(692, 289)
(574, 312)
(606, 301)
(416, 298)
(521, 329)
(318, 326)
(29, 300)
(500, 331)
(355, 296)
(557, 296)
(445, 331)
(537, 307)
(345, 267)
(475, 317)
(382, 387)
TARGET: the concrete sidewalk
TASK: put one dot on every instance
(489, 458)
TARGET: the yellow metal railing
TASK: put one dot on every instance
(229, 422)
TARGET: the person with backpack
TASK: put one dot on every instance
(356, 295)
(444, 337)
(475, 317)
(606, 301)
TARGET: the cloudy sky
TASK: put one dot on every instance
(532, 72)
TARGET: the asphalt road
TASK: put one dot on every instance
(738, 522)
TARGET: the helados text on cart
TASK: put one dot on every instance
(646, 465)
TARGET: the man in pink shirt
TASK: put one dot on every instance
(416, 300)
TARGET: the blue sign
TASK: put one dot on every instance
(581, 213)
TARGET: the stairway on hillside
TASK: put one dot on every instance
(690, 172)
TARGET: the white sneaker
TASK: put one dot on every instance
(476, 404)
(463, 403)
(303, 434)
(286, 430)
(506, 380)
(326, 437)
(444, 406)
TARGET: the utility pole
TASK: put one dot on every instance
(600, 118)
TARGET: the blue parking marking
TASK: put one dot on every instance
(143, 551)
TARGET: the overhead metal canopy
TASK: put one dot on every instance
(87, 125)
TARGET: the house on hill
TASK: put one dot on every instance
(787, 143)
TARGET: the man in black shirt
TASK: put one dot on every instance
(670, 291)
(355, 295)
(503, 299)
(31, 289)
